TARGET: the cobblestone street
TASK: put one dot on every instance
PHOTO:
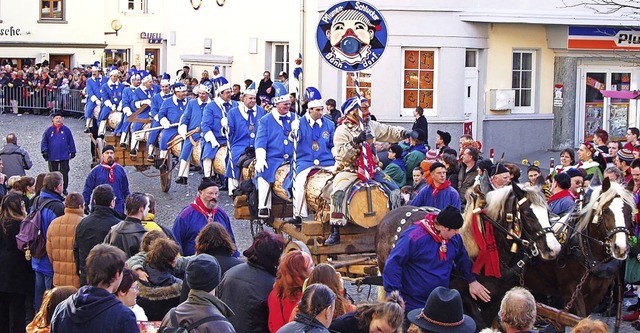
(29, 130)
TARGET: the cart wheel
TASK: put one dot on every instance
(165, 178)
(295, 245)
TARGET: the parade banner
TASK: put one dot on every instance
(351, 36)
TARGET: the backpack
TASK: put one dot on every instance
(31, 239)
(175, 328)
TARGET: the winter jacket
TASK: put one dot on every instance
(160, 294)
(347, 323)
(200, 305)
(16, 275)
(90, 232)
(254, 284)
(60, 238)
(126, 235)
(94, 310)
(466, 180)
(48, 214)
(280, 310)
(99, 175)
(58, 145)
(304, 323)
(15, 160)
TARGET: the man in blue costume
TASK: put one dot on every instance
(191, 120)
(197, 215)
(108, 172)
(128, 108)
(313, 139)
(273, 147)
(424, 256)
(440, 194)
(111, 96)
(142, 96)
(169, 116)
(156, 104)
(214, 120)
(243, 125)
(93, 96)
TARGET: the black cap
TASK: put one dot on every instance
(445, 136)
(450, 217)
(206, 183)
(435, 166)
(203, 273)
(108, 147)
(563, 180)
(573, 172)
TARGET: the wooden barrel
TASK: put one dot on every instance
(96, 112)
(114, 119)
(358, 204)
(220, 161)
(314, 189)
(249, 172)
(175, 144)
(196, 153)
(278, 183)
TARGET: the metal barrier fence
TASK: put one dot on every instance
(40, 100)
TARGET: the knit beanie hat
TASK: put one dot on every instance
(203, 273)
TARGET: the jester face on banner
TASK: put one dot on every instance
(351, 35)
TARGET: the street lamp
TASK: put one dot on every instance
(116, 25)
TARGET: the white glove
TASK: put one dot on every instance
(182, 131)
(156, 118)
(165, 123)
(261, 160)
(209, 137)
(295, 125)
(224, 122)
(127, 111)
(113, 107)
(334, 152)
(145, 101)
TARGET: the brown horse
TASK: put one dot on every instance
(525, 207)
(596, 235)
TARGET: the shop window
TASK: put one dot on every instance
(52, 10)
(364, 80)
(116, 57)
(523, 74)
(280, 59)
(418, 81)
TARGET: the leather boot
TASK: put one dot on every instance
(334, 237)
(296, 220)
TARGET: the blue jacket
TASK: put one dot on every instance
(110, 96)
(415, 269)
(271, 136)
(48, 214)
(100, 175)
(211, 117)
(305, 155)
(95, 310)
(58, 145)
(172, 109)
(93, 93)
(188, 224)
(192, 116)
(445, 197)
(562, 205)
(240, 134)
(156, 103)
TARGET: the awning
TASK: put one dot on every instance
(620, 94)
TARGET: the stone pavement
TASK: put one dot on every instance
(29, 129)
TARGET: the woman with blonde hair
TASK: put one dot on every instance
(294, 269)
(327, 275)
(42, 321)
(384, 317)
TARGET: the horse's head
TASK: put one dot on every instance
(607, 218)
(528, 211)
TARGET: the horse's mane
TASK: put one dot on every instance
(586, 214)
(497, 199)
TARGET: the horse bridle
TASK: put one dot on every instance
(599, 219)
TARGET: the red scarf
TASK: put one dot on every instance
(366, 171)
(202, 209)
(57, 127)
(111, 167)
(427, 225)
(560, 195)
(488, 256)
(441, 187)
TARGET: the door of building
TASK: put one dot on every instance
(151, 61)
(471, 94)
(55, 59)
(595, 110)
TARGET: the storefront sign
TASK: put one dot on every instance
(603, 38)
(10, 31)
(558, 93)
(152, 37)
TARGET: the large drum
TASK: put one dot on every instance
(362, 212)
(278, 183)
(96, 111)
(249, 172)
(115, 117)
(220, 161)
(177, 149)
